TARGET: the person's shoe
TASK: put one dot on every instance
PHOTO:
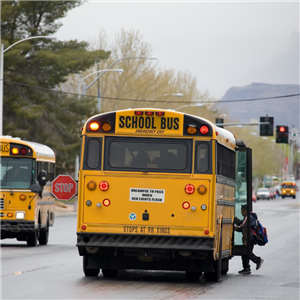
(258, 266)
(245, 271)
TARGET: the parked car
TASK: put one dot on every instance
(272, 193)
(263, 193)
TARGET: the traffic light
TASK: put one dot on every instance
(282, 134)
(266, 129)
(219, 121)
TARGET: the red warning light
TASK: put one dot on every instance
(204, 129)
(282, 129)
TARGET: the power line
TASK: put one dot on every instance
(155, 101)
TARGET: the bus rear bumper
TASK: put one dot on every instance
(117, 251)
(145, 241)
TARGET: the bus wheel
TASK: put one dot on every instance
(109, 273)
(44, 234)
(32, 239)
(217, 265)
(193, 276)
(89, 272)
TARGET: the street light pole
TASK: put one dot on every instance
(2, 70)
(129, 57)
(85, 88)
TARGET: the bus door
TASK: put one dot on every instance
(243, 196)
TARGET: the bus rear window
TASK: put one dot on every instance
(156, 155)
(93, 153)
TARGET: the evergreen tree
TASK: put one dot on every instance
(33, 109)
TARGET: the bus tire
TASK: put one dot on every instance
(217, 265)
(110, 273)
(193, 276)
(44, 234)
(89, 272)
(32, 239)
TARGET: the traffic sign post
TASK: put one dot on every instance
(64, 187)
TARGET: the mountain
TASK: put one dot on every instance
(284, 110)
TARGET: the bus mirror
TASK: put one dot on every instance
(36, 188)
(42, 178)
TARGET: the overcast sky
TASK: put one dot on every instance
(222, 43)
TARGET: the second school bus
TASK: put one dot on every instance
(26, 203)
(159, 190)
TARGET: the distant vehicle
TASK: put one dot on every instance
(263, 193)
(288, 189)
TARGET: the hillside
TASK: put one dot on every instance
(284, 110)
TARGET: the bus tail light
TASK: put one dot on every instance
(10, 215)
(83, 227)
(103, 186)
(106, 202)
(204, 129)
(91, 185)
(192, 129)
(189, 189)
(206, 232)
(94, 126)
(202, 189)
(106, 126)
(22, 197)
(186, 205)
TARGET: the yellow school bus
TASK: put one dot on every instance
(288, 189)
(159, 190)
(26, 202)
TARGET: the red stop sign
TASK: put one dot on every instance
(63, 187)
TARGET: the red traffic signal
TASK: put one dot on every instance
(282, 129)
(282, 134)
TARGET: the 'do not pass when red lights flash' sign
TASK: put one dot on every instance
(64, 187)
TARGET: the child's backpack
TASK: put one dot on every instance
(261, 236)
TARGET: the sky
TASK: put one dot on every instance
(223, 44)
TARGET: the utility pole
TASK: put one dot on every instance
(98, 86)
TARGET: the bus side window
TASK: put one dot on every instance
(225, 162)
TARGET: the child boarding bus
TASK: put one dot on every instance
(159, 190)
(27, 208)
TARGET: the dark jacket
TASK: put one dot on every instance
(241, 226)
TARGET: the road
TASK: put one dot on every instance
(55, 271)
